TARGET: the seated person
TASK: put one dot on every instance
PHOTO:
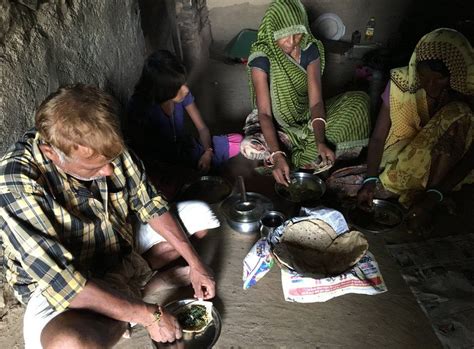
(426, 122)
(68, 189)
(291, 119)
(157, 118)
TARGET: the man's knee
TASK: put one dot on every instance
(70, 331)
(67, 337)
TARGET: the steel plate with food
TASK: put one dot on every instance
(200, 321)
(304, 188)
(211, 189)
(384, 216)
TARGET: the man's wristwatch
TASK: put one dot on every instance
(156, 315)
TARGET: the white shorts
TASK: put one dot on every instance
(194, 215)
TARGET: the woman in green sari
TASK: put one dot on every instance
(290, 118)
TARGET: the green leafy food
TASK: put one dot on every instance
(303, 191)
(193, 318)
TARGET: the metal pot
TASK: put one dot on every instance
(245, 222)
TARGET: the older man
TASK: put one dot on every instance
(67, 192)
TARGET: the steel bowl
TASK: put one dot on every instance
(245, 222)
(385, 216)
(305, 189)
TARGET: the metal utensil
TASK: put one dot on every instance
(245, 222)
(383, 217)
(244, 205)
(206, 339)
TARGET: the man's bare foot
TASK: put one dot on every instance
(172, 278)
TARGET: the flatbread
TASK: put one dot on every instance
(312, 248)
(311, 233)
(323, 166)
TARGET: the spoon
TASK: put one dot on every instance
(244, 205)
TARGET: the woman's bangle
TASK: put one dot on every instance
(371, 179)
(209, 149)
(440, 194)
(318, 119)
(275, 153)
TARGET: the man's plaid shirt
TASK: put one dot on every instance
(56, 231)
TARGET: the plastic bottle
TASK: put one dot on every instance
(355, 37)
(370, 29)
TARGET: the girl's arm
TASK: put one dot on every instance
(204, 163)
(281, 171)
(203, 130)
(316, 107)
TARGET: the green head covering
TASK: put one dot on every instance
(288, 80)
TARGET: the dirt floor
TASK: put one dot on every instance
(260, 317)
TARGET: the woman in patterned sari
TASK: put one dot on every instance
(426, 123)
(285, 67)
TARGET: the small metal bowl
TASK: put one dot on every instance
(305, 189)
(384, 216)
(269, 221)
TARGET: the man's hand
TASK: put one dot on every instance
(281, 170)
(204, 163)
(167, 329)
(203, 282)
(365, 195)
(326, 153)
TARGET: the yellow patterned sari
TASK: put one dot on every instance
(415, 138)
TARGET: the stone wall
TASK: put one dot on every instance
(194, 30)
(48, 43)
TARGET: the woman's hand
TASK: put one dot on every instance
(167, 329)
(281, 170)
(419, 214)
(365, 195)
(327, 155)
(204, 163)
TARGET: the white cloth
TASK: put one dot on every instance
(195, 216)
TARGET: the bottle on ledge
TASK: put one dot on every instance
(370, 29)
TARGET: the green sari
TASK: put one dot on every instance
(348, 123)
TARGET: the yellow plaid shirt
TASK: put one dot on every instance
(57, 232)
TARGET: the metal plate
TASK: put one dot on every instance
(205, 339)
(384, 217)
(305, 189)
(211, 189)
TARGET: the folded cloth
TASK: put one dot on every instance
(194, 216)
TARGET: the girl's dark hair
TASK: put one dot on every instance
(162, 76)
(436, 65)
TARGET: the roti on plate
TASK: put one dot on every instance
(312, 248)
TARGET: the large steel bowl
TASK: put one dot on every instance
(245, 222)
(305, 189)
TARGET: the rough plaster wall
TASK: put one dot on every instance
(230, 16)
(45, 44)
